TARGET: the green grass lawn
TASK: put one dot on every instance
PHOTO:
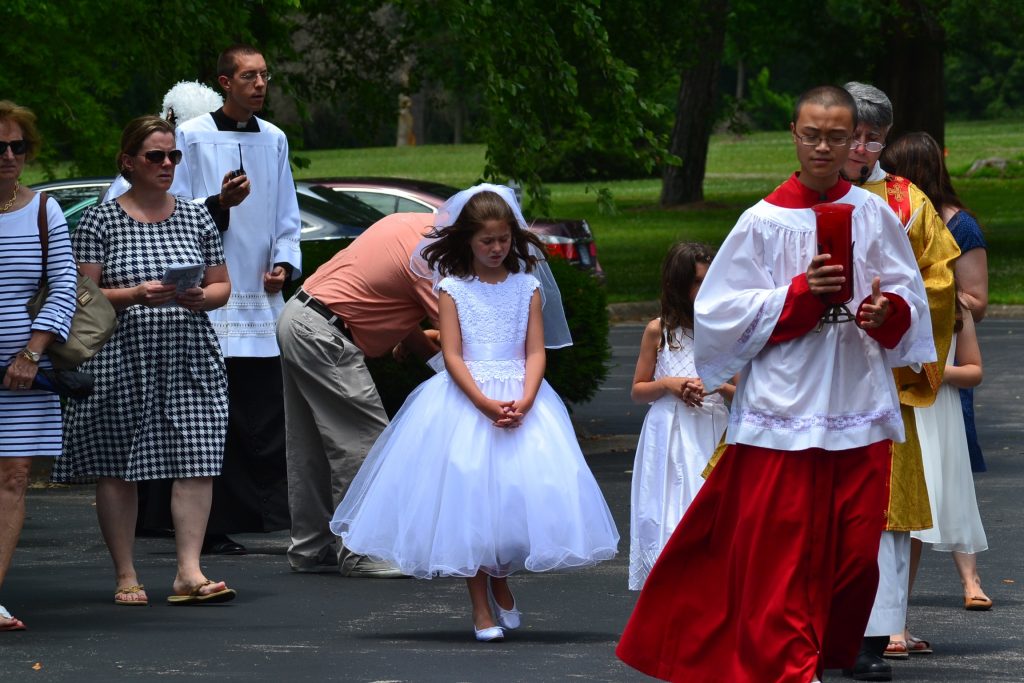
(740, 171)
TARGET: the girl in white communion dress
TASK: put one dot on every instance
(480, 475)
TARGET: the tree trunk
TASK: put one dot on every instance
(741, 79)
(695, 108)
(911, 72)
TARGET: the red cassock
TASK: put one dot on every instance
(771, 574)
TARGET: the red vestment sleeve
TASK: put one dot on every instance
(800, 313)
(889, 333)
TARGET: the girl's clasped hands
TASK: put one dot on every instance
(505, 414)
(689, 390)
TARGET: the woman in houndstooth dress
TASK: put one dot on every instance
(159, 410)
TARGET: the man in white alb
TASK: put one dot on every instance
(262, 249)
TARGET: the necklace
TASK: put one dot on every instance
(10, 202)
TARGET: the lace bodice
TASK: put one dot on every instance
(492, 319)
(678, 362)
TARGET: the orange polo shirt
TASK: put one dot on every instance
(370, 286)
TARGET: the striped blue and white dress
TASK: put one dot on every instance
(30, 421)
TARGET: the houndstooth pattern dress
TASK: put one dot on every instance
(159, 410)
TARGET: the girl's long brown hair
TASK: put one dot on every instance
(918, 158)
(678, 272)
(451, 254)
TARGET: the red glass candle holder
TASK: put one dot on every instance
(835, 238)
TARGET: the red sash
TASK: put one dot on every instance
(897, 194)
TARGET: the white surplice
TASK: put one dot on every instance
(831, 389)
(264, 228)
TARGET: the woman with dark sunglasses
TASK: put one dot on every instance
(30, 421)
(159, 409)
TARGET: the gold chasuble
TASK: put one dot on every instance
(936, 251)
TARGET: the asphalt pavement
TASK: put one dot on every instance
(286, 626)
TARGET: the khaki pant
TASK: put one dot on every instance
(333, 415)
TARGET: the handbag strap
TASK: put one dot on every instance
(44, 235)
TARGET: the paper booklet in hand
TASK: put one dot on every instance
(184, 275)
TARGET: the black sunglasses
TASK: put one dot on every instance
(18, 147)
(157, 156)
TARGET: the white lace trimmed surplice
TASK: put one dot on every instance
(264, 229)
(831, 389)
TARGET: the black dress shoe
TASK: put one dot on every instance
(220, 544)
(869, 665)
(869, 668)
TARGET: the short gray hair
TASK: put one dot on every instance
(873, 106)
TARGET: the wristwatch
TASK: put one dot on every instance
(31, 355)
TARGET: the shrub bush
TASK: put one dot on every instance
(576, 372)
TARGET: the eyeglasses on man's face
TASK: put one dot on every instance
(18, 147)
(157, 156)
(251, 76)
(830, 140)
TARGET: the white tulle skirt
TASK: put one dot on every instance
(947, 471)
(445, 493)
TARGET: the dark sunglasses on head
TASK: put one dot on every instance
(18, 147)
(157, 156)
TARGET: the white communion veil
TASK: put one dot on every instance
(556, 329)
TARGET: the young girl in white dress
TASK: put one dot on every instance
(480, 475)
(957, 526)
(684, 423)
(947, 467)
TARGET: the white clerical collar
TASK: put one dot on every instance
(876, 173)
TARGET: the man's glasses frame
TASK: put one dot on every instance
(18, 147)
(157, 156)
(830, 140)
(251, 76)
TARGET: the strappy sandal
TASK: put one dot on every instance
(977, 604)
(896, 649)
(195, 597)
(131, 590)
(918, 646)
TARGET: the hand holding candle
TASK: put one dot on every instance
(824, 280)
(835, 239)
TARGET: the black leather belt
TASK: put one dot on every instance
(331, 317)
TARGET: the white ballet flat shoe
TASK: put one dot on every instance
(490, 634)
(508, 618)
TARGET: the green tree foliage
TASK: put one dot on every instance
(552, 98)
(86, 68)
(352, 57)
(985, 58)
(552, 90)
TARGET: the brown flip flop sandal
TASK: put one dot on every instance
(194, 597)
(130, 590)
